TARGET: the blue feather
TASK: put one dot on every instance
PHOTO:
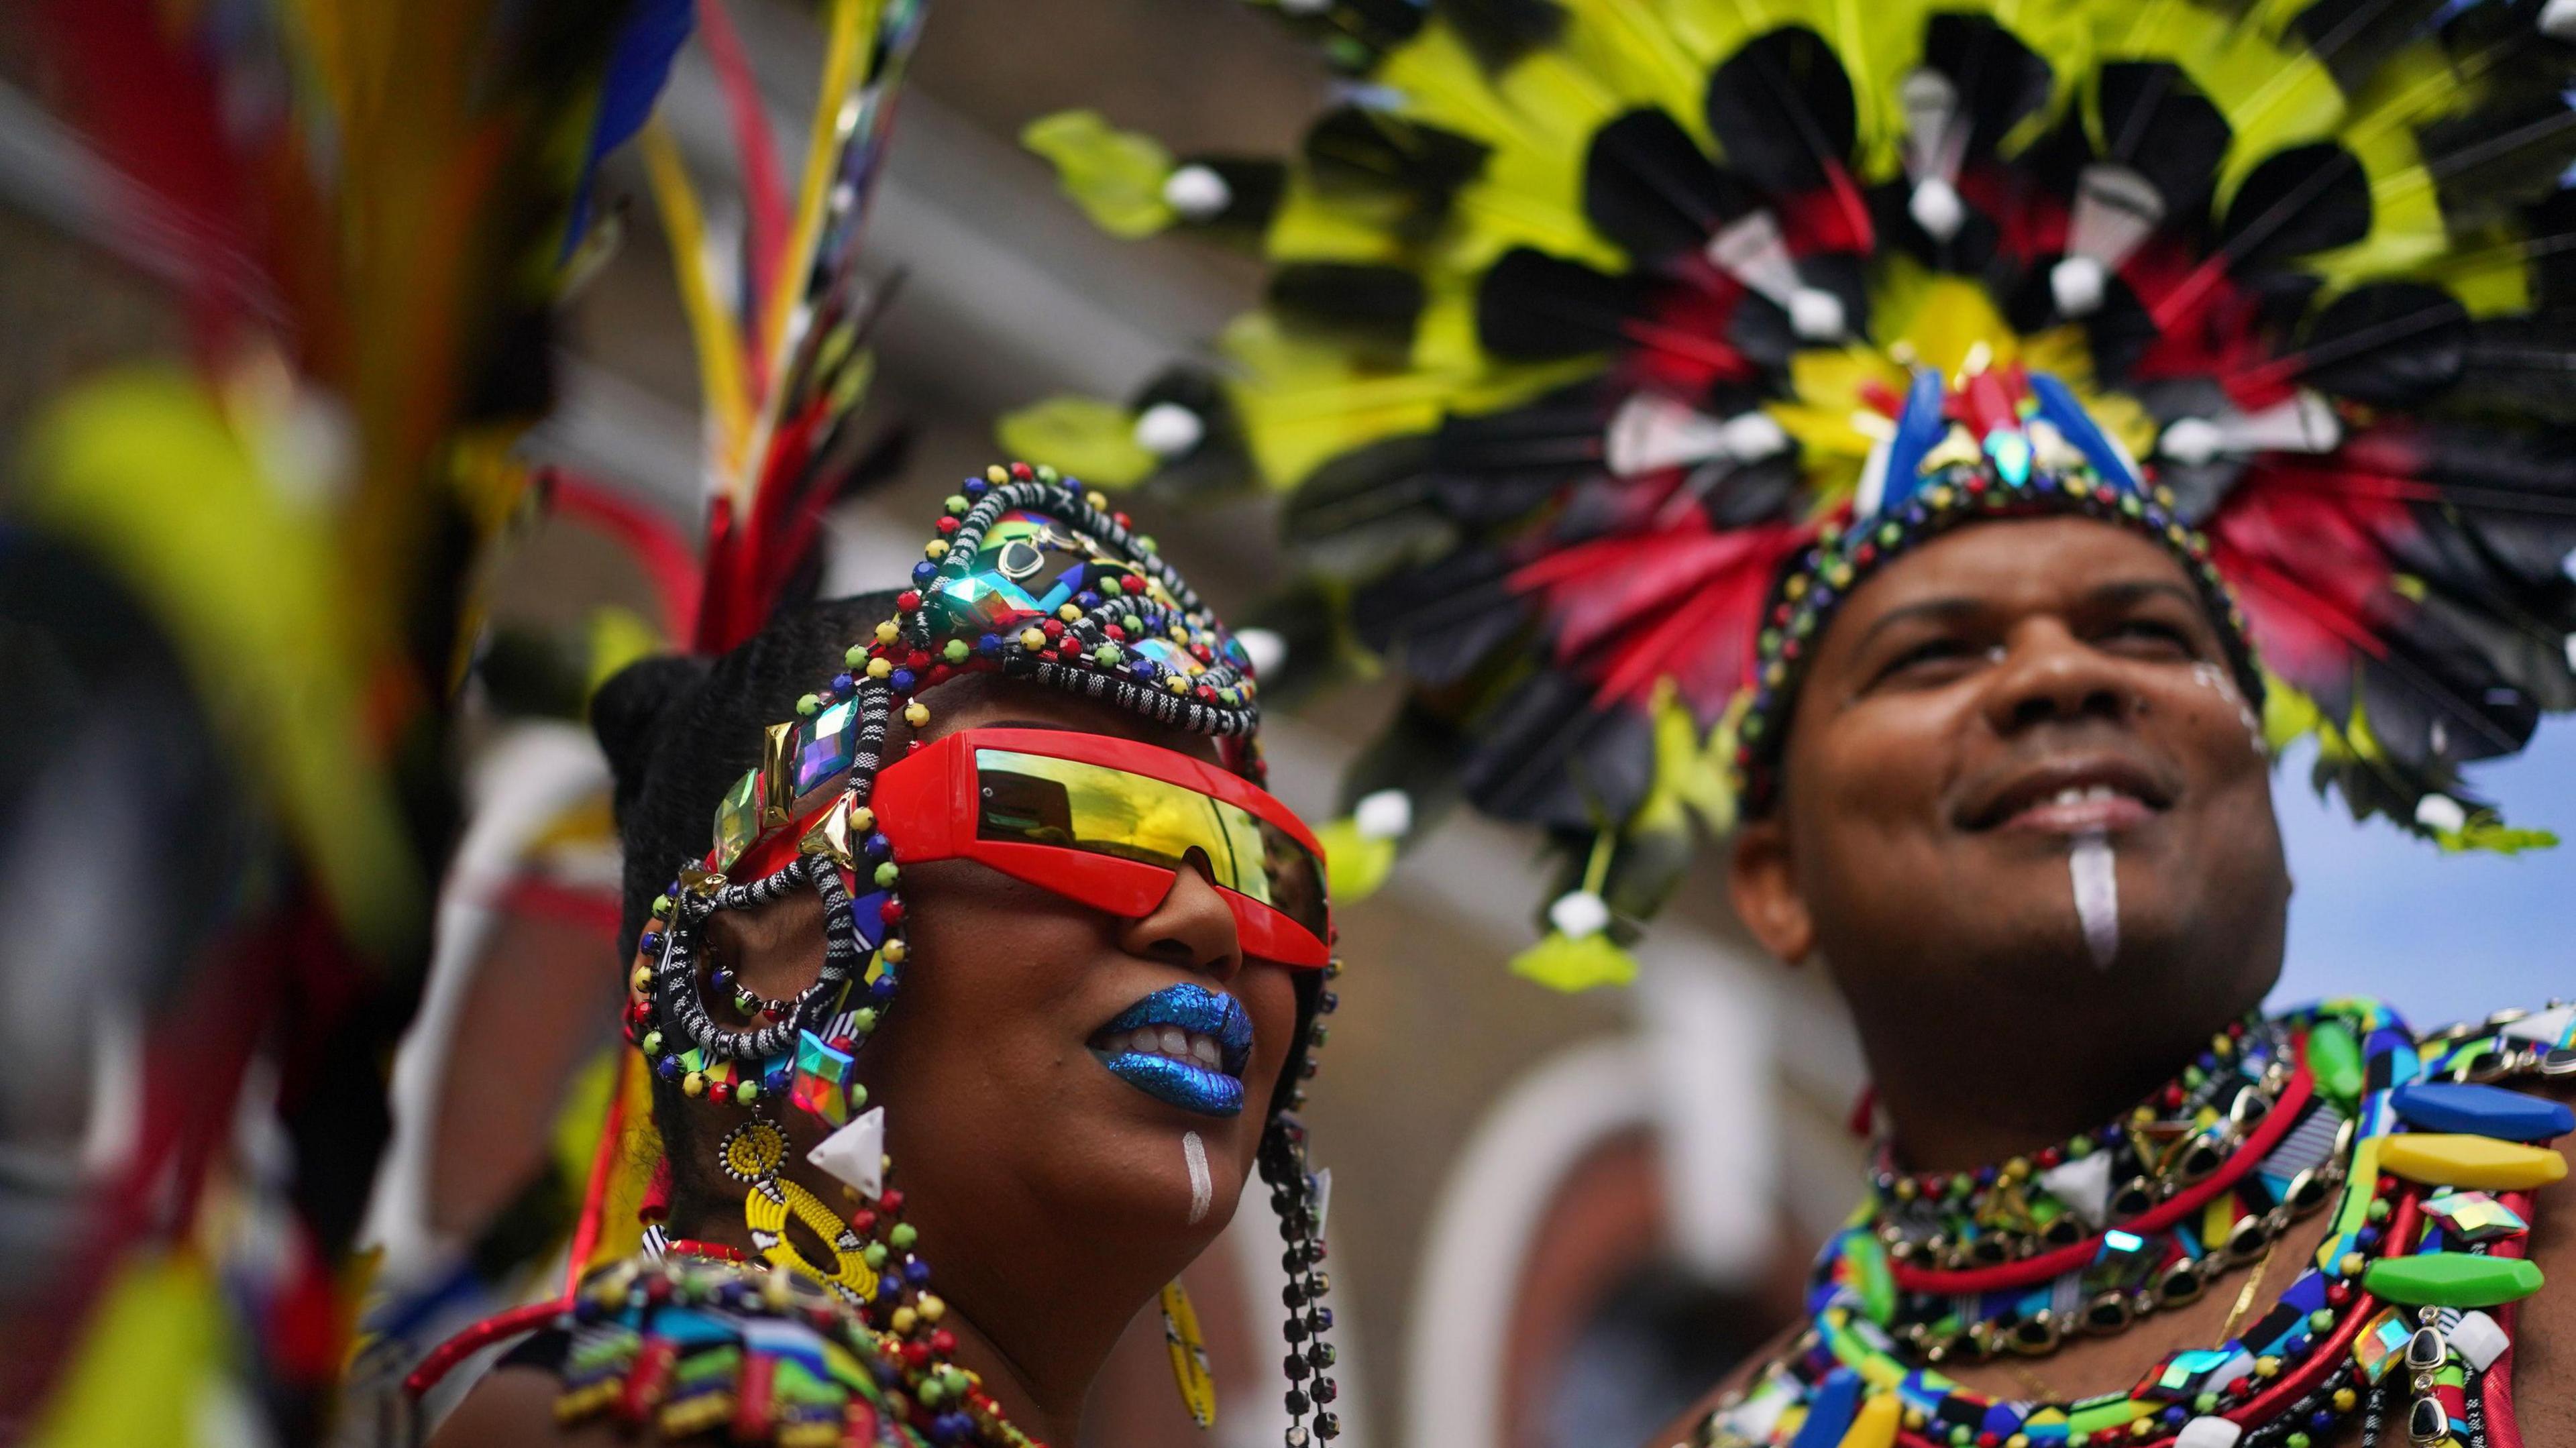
(2059, 409)
(638, 67)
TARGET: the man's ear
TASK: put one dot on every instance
(1765, 891)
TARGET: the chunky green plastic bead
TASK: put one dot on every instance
(903, 1236)
(2334, 1057)
(887, 873)
(2452, 1279)
(956, 651)
(807, 706)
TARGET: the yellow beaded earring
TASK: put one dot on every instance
(1189, 1355)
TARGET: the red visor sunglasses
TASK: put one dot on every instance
(1108, 822)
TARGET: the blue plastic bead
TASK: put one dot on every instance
(989, 644)
(925, 572)
(881, 989)
(976, 488)
(1086, 600)
(901, 681)
(668, 1068)
(878, 846)
(916, 1272)
(2481, 1111)
(652, 942)
(843, 683)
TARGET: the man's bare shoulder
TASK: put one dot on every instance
(1680, 1431)
(2544, 1352)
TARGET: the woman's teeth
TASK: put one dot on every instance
(1188, 1047)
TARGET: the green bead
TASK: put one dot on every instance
(661, 907)
(1959, 1435)
(887, 872)
(2298, 1440)
(808, 705)
(2193, 1076)
(1105, 654)
(858, 1095)
(903, 1236)
(1131, 623)
(875, 1254)
(929, 1392)
(954, 502)
(856, 656)
(864, 1019)
(2320, 1321)
(747, 1092)
(1146, 545)
(2335, 1059)
(956, 651)
(1047, 474)
(2379, 1209)
(2205, 1403)
(652, 1043)
(2452, 1279)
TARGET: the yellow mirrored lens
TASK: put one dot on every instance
(1041, 800)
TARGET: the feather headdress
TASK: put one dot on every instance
(1591, 321)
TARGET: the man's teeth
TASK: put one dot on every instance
(2086, 794)
(1171, 1041)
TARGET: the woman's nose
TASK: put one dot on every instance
(1193, 927)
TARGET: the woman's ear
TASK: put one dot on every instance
(1764, 889)
(774, 950)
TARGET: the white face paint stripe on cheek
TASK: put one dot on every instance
(1202, 1185)
(2218, 681)
(2094, 871)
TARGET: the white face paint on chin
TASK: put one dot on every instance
(1202, 1184)
(2093, 870)
(2218, 681)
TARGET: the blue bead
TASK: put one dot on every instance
(652, 942)
(881, 989)
(668, 1068)
(924, 572)
(976, 488)
(916, 1272)
(878, 846)
(1086, 600)
(901, 681)
(989, 644)
(2481, 1111)
(1830, 1412)
(843, 683)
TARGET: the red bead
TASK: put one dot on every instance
(1053, 628)
(890, 912)
(2051, 1156)
(946, 526)
(1132, 583)
(917, 1354)
(1116, 634)
(917, 659)
(2238, 1387)
(1122, 520)
(943, 1342)
(908, 600)
(2338, 1293)
(1023, 471)
(890, 1201)
(1990, 1440)
(863, 1222)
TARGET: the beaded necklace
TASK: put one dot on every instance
(2427, 1232)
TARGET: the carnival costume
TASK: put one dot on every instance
(1608, 347)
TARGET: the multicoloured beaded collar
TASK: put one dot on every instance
(2407, 1295)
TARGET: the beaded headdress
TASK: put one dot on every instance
(1595, 332)
(1026, 577)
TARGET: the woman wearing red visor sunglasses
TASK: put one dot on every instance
(1002, 902)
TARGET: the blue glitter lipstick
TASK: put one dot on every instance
(1184, 1045)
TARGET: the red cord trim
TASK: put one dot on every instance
(443, 1358)
(2030, 1270)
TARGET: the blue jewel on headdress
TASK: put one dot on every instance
(2010, 451)
(1920, 426)
(2059, 408)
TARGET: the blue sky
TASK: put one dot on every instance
(2438, 936)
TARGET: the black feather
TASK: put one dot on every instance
(1356, 151)
(1221, 464)
(1649, 187)
(2397, 344)
(1502, 31)
(1368, 511)
(1534, 307)
(2353, 38)
(2298, 202)
(2001, 82)
(1373, 308)
(2157, 123)
(2519, 368)
(1548, 754)
(1254, 187)
(2487, 164)
(1446, 617)
(1782, 109)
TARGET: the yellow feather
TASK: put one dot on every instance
(721, 376)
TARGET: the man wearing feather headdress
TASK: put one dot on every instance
(1951, 446)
